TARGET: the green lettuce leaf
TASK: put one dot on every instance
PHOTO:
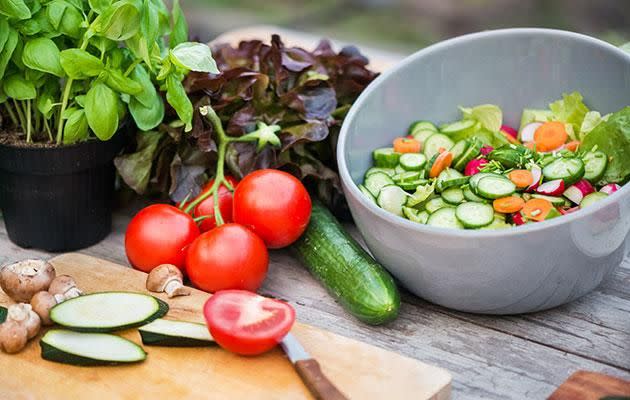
(570, 109)
(613, 138)
(489, 116)
(532, 115)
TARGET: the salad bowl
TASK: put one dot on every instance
(522, 269)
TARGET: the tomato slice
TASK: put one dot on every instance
(246, 323)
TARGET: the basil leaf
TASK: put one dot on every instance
(119, 22)
(28, 27)
(71, 22)
(4, 32)
(79, 64)
(139, 47)
(179, 28)
(177, 98)
(101, 111)
(120, 83)
(99, 6)
(18, 88)
(194, 57)
(42, 54)
(76, 127)
(148, 93)
(147, 117)
(45, 101)
(7, 51)
(150, 25)
(55, 11)
(15, 9)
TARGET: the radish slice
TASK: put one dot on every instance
(536, 175)
(577, 191)
(474, 166)
(551, 188)
(510, 131)
(527, 133)
(485, 150)
(610, 188)
(518, 219)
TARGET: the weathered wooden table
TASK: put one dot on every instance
(518, 357)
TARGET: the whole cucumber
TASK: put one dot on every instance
(347, 271)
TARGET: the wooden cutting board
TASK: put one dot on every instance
(359, 370)
(586, 385)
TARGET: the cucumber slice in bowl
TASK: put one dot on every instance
(108, 311)
(89, 349)
(474, 215)
(164, 332)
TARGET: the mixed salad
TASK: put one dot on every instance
(476, 173)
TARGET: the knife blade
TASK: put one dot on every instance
(309, 370)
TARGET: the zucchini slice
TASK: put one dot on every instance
(108, 311)
(164, 332)
(87, 349)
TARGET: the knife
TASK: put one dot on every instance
(309, 370)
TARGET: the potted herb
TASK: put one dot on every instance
(75, 76)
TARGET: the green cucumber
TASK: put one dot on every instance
(412, 185)
(420, 125)
(474, 215)
(360, 284)
(555, 200)
(407, 176)
(385, 157)
(471, 196)
(89, 349)
(387, 171)
(435, 204)
(169, 333)
(445, 218)
(459, 149)
(375, 182)
(108, 311)
(463, 127)
(595, 163)
(450, 178)
(413, 161)
(453, 195)
(592, 198)
(367, 193)
(414, 215)
(495, 187)
(392, 198)
(570, 170)
(473, 150)
(422, 135)
(435, 142)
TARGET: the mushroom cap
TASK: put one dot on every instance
(21, 280)
(13, 336)
(24, 315)
(161, 275)
(42, 302)
(61, 284)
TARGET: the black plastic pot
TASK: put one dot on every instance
(59, 199)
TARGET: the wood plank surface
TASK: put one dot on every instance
(359, 370)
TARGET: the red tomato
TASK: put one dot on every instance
(206, 207)
(246, 323)
(159, 234)
(274, 204)
(228, 257)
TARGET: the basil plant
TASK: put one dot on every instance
(71, 70)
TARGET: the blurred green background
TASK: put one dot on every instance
(406, 25)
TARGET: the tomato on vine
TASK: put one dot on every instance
(205, 209)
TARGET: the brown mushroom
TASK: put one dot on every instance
(169, 279)
(13, 336)
(23, 279)
(42, 302)
(64, 285)
(24, 315)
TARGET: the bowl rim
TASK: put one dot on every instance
(350, 186)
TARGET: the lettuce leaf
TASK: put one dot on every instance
(613, 138)
(570, 109)
(532, 115)
(489, 116)
(591, 120)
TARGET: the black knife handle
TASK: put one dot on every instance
(316, 381)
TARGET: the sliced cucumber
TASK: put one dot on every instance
(555, 200)
(376, 181)
(164, 332)
(422, 217)
(570, 170)
(385, 157)
(459, 149)
(465, 127)
(392, 199)
(445, 218)
(595, 163)
(413, 161)
(474, 215)
(473, 150)
(436, 141)
(435, 204)
(450, 178)
(498, 223)
(592, 198)
(406, 176)
(470, 196)
(418, 126)
(87, 349)
(367, 193)
(423, 192)
(453, 195)
(398, 169)
(495, 187)
(388, 171)
(414, 215)
(422, 135)
(474, 180)
(412, 185)
(108, 311)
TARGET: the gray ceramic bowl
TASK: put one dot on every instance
(523, 269)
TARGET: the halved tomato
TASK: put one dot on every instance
(246, 323)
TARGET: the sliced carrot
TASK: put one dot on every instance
(536, 209)
(522, 178)
(510, 138)
(442, 162)
(550, 135)
(406, 145)
(508, 205)
(573, 145)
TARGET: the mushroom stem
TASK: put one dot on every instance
(175, 288)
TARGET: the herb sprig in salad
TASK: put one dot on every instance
(476, 173)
